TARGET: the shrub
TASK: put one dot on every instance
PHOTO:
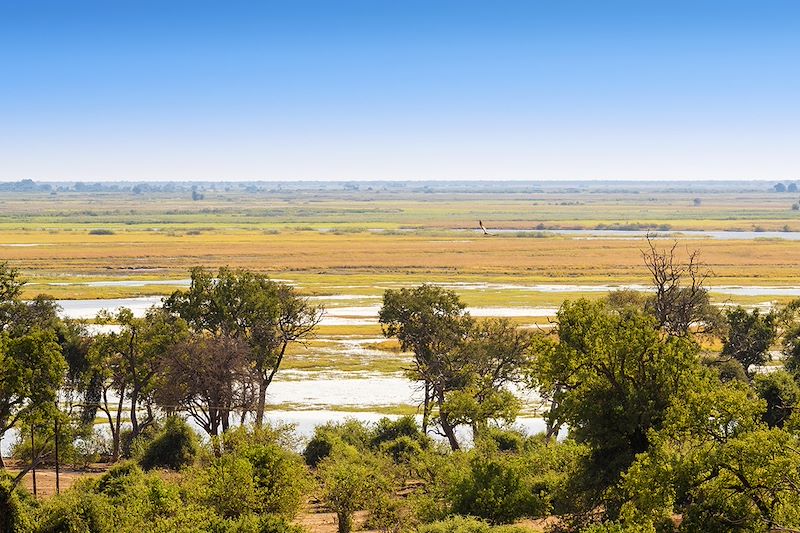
(175, 447)
(349, 482)
(101, 231)
(402, 449)
(388, 513)
(319, 447)
(119, 479)
(281, 479)
(227, 486)
(135, 447)
(77, 511)
(504, 440)
(388, 430)
(328, 437)
(15, 505)
(500, 489)
(241, 439)
(459, 524)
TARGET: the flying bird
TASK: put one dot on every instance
(480, 223)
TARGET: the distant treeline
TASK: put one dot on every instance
(421, 187)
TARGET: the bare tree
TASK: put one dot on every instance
(208, 378)
(681, 301)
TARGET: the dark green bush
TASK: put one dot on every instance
(459, 524)
(319, 447)
(174, 447)
(387, 430)
(328, 437)
(15, 505)
(500, 489)
(401, 449)
(119, 479)
(77, 512)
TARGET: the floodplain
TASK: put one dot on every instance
(344, 244)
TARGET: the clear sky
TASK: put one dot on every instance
(399, 89)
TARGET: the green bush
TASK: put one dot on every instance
(504, 440)
(15, 505)
(77, 512)
(175, 447)
(119, 479)
(349, 482)
(388, 430)
(281, 480)
(328, 437)
(459, 524)
(319, 447)
(242, 438)
(402, 449)
(500, 489)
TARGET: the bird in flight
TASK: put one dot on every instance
(480, 223)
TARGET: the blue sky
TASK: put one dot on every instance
(399, 89)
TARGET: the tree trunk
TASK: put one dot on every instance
(345, 522)
(115, 433)
(134, 418)
(426, 408)
(447, 427)
(262, 400)
(226, 420)
(449, 432)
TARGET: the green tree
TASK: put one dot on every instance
(127, 363)
(266, 315)
(781, 394)
(612, 375)
(429, 321)
(32, 371)
(349, 482)
(466, 367)
(479, 371)
(715, 463)
(749, 338)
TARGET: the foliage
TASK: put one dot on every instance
(781, 394)
(15, 505)
(750, 336)
(202, 376)
(501, 489)
(349, 482)
(718, 465)
(465, 366)
(31, 372)
(458, 524)
(429, 321)
(249, 309)
(611, 378)
(281, 479)
(328, 437)
(128, 362)
(174, 447)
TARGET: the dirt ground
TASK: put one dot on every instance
(46, 477)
